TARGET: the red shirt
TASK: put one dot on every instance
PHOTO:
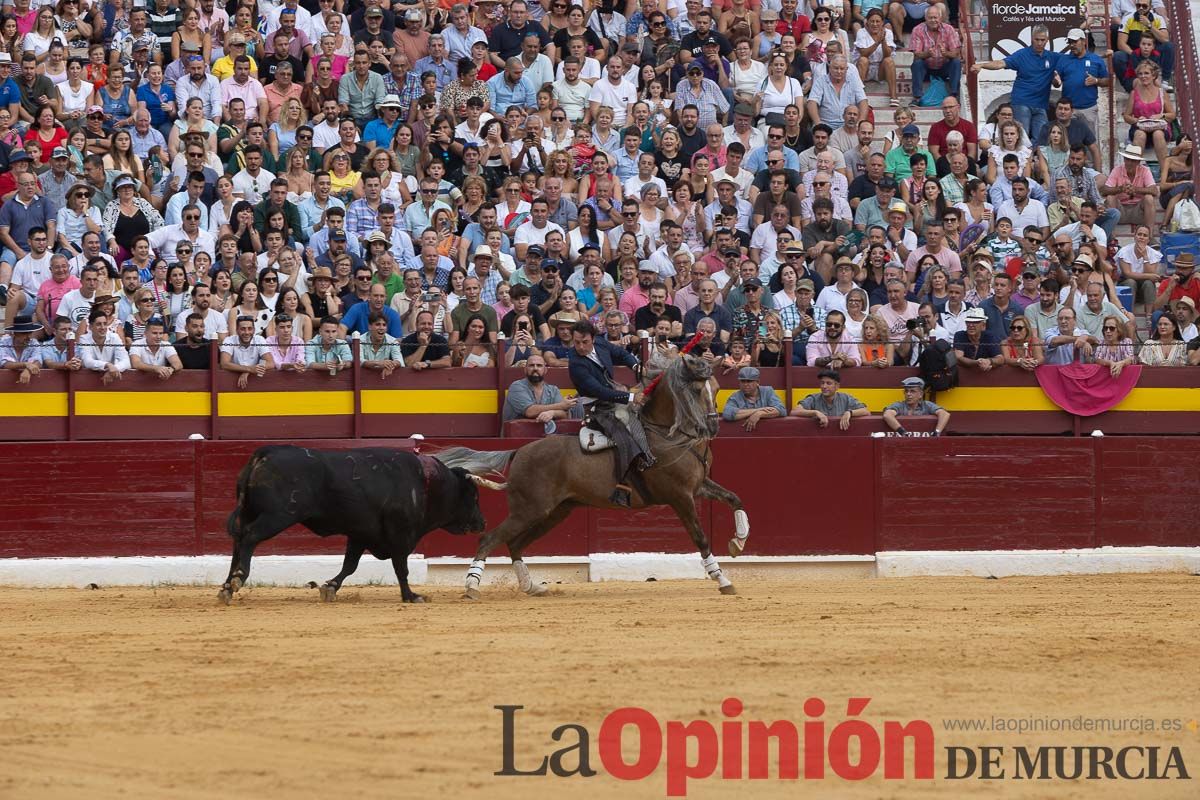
(1189, 289)
(939, 129)
(58, 139)
(797, 27)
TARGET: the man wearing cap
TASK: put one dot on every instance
(914, 404)
(751, 402)
(701, 93)
(55, 181)
(1131, 189)
(830, 402)
(222, 68)
(19, 353)
(380, 132)
(638, 295)
(975, 347)
(10, 93)
(1078, 131)
(874, 210)
(897, 162)
(1185, 315)
(1182, 283)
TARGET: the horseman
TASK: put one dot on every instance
(614, 409)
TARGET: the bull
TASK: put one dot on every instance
(382, 500)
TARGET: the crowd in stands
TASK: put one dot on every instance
(433, 177)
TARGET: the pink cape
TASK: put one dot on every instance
(1086, 389)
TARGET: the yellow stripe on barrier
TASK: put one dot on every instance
(142, 404)
(35, 404)
(993, 398)
(429, 401)
(285, 404)
(1180, 399)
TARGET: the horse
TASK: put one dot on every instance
(680, 420)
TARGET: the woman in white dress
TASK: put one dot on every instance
(778, 91)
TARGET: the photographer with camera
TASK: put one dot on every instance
(919, 333)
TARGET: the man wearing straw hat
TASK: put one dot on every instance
(18, 352)
(1131, 189)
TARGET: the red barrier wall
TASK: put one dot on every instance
(805, 495)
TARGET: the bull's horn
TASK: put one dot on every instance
(485, 483)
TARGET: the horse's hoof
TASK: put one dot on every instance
(416, 598)
(471, 594)
(736, 546)
(728, 589)
(538, 590)
(235, 584)
(328, 593)
(225, 596)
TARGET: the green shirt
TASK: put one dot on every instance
(388, 351)
(460, 315)
(394, 285)
(896, 163)
(339, 353)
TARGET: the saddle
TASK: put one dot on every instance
(591, 438)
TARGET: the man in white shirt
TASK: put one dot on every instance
(646, 174)
(325, 133)
(614, 92)
(167, 237)
(215, 325)
(246, 353)
(534, 230)
(732, 170)
(253, 181)
(101, 349)
(742, 132)
(77, 303)
(1023, 211)
(152, 353)
(29, 274)
(589, 70)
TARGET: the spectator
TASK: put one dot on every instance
(152, 353)
(532, 398)
(379, 349)
(101, 349)
(752, 402)
(1066, 340)
(245, 352)
(874, 349)
(1115, 350)
(1183, 283)
(937, 51)
(326, 352)
(287, 350)
(976, 347)
(355, 319)
(914, 404)
(1022, 348)
(1143, 23)
(830, 402)
(1131, 189)
(830, 347)
(193, 348)
(1166, 348)
(56, 351)
(19, 353)
(1035, 67)
(424, 349)
(1150, 112)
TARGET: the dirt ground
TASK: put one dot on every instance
(162, 693)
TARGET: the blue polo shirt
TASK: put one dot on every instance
(1073, 69)
(19, 218)
(504, 95)
(9, 93)
(355, 319)
(380, 133)
(1034, 74)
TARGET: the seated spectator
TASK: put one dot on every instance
(1185, 315)
(193, 348)
(1090, 316)
(1022, 348)
(1137, 263)
(1131, 189)
(830, 402)
(1115, 350)
(379, 350)
(873, 48)
(829, 347)
(152, 353)
(556, 350)
(19, 353)
(326, 351)
(914, 404)
(287, 350)
(355, 319)
(1066, 338)
(975, 348)
(424, 349)
(245, 352)
(751, 402)
(1167, 348)
(875, 350)
(474, 349)
(1184, 283)
(102, 349)
(898, 162)
(532, 398)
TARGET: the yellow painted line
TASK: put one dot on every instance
(1181, 399)
(723, 396)
(142, 404)
(994, 398)
(35, 404)
(428, 401)
(285, 404)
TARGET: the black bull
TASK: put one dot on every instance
(382, 500)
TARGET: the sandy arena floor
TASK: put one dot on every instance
(162, 693)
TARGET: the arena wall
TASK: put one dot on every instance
(837, 503)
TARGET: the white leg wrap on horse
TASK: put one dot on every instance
(523, 580)
(475, 574)
(714, 570)
(741, 524)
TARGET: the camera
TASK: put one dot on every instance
(913, 324)
(522, 326)
(430, 296)
(662, 338)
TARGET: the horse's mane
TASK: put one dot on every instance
(690, 413)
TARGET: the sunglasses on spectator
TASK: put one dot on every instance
(183, 251)
(270, 280)
(820, 183)
(1017, 328)
(193, 217)
(1110, 328)
(1034, 239)
(774, 135)
(629, 214)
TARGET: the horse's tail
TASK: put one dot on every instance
(476, 462)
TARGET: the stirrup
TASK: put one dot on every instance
(620, 497)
